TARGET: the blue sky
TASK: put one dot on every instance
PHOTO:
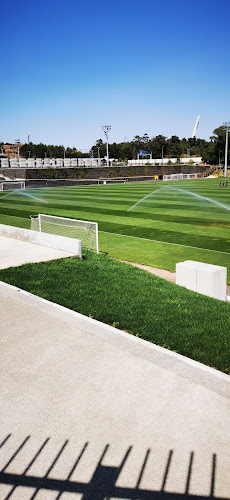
(67, 68)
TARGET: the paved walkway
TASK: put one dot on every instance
(90, 412)
(163, 273)
(17, 252)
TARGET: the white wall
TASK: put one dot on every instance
(71, 245)
(196, 159)
(152, 162)
(165, 161)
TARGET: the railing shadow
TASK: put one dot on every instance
(102, 485)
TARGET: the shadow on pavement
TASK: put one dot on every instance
(102, 485)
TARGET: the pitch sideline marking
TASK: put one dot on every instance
(166, 242)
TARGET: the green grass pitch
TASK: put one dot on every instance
(152, 223)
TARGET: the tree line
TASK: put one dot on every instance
(211, 151)
(50, 151)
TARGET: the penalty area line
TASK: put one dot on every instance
(165, 242)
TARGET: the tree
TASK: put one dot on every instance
(102, 148)
(218, 139)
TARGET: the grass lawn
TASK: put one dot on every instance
(133, 300)
(153, 223)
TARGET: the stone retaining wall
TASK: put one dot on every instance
(80, 173)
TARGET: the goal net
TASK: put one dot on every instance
(172, 177)
(177, 177)
(11, 185)
(82, 230)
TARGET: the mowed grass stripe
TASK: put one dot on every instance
(182, 219)
(152, 224)
(158, 254)
(15, 221)
(191, 210)
(153, 215)
(180, 200)
(212, 243)
(163, 234)
(148, 205)
(155, 197)
(166, 242)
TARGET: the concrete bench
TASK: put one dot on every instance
(202, 278)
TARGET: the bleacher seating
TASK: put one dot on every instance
(4, 162)
(39, 163)
(13, 162)
(31, 163)
(59, 162)
(22, 163)
(67, 162)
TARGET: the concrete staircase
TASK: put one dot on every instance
(209, 171)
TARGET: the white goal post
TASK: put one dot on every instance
(83, 230)
(172, 177)
(12, 185)
(177, 177)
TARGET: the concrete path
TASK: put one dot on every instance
(17, 252)
(90, 412)
(163, 273)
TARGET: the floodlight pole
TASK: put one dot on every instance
(227, 125)
(98, 156)
(162, 154)
(17, 141)
(106, 129)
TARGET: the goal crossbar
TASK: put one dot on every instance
(86, 231)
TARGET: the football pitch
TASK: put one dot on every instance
(152, 223)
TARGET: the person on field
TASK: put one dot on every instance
(220, 184)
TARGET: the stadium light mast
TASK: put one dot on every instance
(98, 156)
(196, 126)
(227, 128)
(162, 153)
(17, 141)
(106, 129)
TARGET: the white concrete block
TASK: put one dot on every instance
(180, 274)
(211, 281)
(190, 275)
(186, 275)
(208, 282)
(200, 277)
